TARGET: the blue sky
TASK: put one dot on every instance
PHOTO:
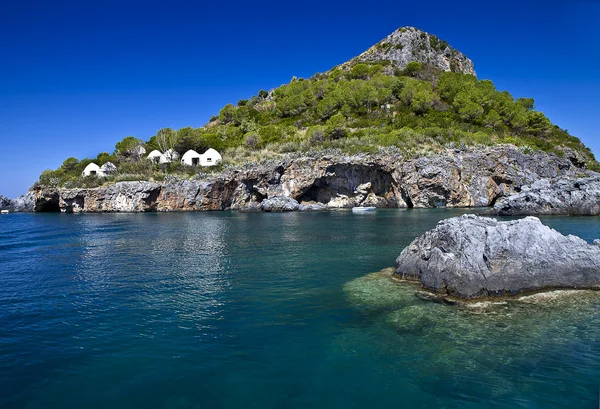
(77, 76)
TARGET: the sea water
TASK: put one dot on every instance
(232, 310)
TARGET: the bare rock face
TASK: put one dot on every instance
(5, 203)
(452, 178)
(23, 203)
(573, 197)
(409, 44)
(471, 256)
(279, 204)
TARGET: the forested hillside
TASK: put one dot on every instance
(364, 105)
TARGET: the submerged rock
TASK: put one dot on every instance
(471, 256)
(579, 197)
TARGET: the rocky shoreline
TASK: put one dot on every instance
(567, 197)
(478, 177)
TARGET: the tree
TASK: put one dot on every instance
(471, 112)
(127, 145)
(527, 103)
(537, 123)
(226, 113)
(103, 157)
(336, 127)
(360, 72)
(165, 139)
(326, 107)
(262, 94)
(422, 101)
(412, 68)
(70, 164)
(492, 119)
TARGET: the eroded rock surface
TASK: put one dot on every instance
(452, 178)
(23, 203)
(471, 256)
(577, 197)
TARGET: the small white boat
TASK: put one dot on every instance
(360, 209)
(4, 212)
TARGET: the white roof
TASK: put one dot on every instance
(190, 154)
(154, 154)
(91, 167)
(212, 153)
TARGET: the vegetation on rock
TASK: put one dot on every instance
(360, 106)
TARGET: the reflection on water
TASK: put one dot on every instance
(230, 310)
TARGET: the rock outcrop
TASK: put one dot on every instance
(23, 203)
(471, 256)
(411, 44)
(575, 197)
(279, 204)
(452, 178)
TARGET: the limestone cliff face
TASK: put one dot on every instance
(23, 203)
(453, 178)
(410, 44)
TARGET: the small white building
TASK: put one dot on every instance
(92, 170)
(157, 157)
(191, 158)
(210, 158)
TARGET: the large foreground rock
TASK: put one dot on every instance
(472, 256)
(576, 197)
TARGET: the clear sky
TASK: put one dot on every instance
(78, 76)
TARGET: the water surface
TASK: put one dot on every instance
(231, 310)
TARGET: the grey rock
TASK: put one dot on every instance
(23, 203)
(471, 256)
(411, 44)
(388, 179)
(579, 196)
(109, 168)
(312, 207)
(279, 204)
(5, 203)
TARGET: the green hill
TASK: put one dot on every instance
(410, 91)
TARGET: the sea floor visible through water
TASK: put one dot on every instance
(293, 310)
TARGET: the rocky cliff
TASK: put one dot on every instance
(23, 203)
(409, 44)
(453, 178)
(570, 197)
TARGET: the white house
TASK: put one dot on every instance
(156, 156)
(191, 158)
(210, 158)
(92, 170)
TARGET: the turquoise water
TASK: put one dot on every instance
(230, 310)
